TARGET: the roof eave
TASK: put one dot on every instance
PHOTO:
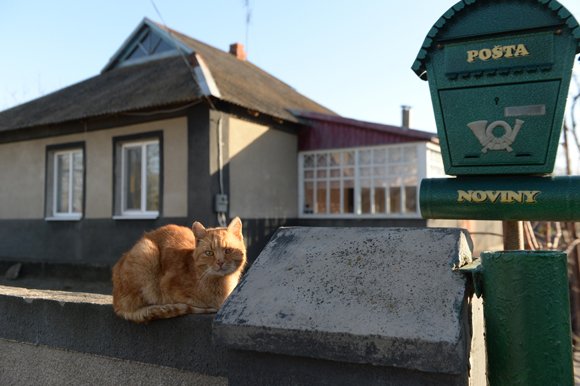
(149, 110)
(204, 78)
(412, 133)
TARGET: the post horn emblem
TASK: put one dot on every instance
(488, 139)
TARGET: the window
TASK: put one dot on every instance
(138, 178)
(372, 181)
(65, 182)
(434, 162)
(149, 44)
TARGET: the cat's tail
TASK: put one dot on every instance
(164, 311)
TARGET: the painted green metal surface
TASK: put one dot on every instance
(501, 198)
(499, 73)
(463, 20)
(527, 318)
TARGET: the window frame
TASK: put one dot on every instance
(147, 54)
(119, 197)
(421, 172)
(52, 182)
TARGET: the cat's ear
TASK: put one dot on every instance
(235, 228)
(198, 230)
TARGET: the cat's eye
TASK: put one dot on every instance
(209, 253)
(228, 251)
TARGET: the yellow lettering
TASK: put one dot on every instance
(509, 51)
(521, 50)
(496, 52)
(478, 196)
(485, 54)
(501, 196)
(463, 196)
(471, 55)
(515, 196)
(531, 195)
(492, 195)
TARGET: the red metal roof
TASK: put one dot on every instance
(334, 132)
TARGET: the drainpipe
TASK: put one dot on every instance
(221, 215)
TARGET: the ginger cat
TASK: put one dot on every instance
(175, 270)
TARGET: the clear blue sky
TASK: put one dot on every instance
(354, 57)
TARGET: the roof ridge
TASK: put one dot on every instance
(237, 82)
(183, 36)
(187, 40)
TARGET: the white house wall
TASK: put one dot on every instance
(262, 170)
(22, 165)
(22, 187)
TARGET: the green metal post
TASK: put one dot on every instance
(527, 318)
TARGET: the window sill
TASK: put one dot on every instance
(71, 217)
(137, 216)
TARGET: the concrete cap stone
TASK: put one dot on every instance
(383, 296)
(29, 295)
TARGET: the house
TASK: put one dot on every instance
(351, 169)
(173, 130)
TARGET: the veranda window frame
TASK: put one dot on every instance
(420, 149)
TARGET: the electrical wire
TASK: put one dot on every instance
(183, 56)
(165, 111)
(221, 216)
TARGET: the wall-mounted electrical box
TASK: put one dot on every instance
(221, 203)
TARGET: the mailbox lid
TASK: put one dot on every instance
(469, 19)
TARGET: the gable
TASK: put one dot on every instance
(147, 42)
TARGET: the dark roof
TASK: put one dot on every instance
(242, 83)
(148, 85)
(324, 131)
(160, 83)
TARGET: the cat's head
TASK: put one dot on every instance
(219, 251)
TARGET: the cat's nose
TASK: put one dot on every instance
(220, 263)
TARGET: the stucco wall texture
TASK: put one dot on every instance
(23, 188)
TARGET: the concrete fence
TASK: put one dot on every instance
(320, 306)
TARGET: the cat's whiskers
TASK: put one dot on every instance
(204, 274)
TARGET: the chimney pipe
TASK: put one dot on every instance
(406, 115)
(237, 49)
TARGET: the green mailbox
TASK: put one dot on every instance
(499, 73)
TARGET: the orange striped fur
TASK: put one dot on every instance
(175, 270)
